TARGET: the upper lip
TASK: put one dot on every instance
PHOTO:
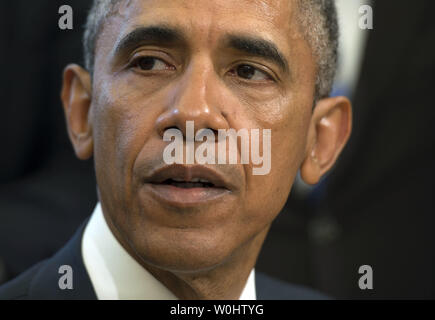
(188, 174)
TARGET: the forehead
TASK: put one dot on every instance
(207, 20)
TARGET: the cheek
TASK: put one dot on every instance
(268, 194)
(121, 128)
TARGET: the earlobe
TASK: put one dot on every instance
(76, 99)
(330, 128)
(310, 170)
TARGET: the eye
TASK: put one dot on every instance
(248, 72)
(151, 64)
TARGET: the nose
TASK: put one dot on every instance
(196, 97)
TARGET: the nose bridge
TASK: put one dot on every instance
(192, 100)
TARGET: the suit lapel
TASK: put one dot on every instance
(45, 285)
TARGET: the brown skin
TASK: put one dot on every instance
(205, 251)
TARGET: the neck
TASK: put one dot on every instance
(223, 282)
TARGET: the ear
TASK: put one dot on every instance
(330, 128)
(76, 99)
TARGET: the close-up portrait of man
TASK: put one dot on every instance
(192, 231)
(216, 150)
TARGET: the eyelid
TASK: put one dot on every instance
(136, 59)
(134, 65)
(269, 73)
(156, 54)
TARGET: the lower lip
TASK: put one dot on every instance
(185, 196)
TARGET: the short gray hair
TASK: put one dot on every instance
(317, 18)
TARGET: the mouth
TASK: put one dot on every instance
(183, 186)
(194, 183)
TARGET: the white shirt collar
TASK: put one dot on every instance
(115, 275)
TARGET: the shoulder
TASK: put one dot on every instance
(41, 282)
(18, 288)
(269, 288)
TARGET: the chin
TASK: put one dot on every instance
(185, 251)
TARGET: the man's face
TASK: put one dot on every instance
(222, 64)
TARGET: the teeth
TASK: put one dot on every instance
(200, 180)
(192, 180)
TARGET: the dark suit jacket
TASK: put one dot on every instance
(41, 180)
(41, 282)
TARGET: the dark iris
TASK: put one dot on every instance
(146, 63)
(245, 71)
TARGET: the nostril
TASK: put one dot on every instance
(215, 132)
(173, 127)
(169, 128)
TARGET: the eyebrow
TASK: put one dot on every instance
(169, 36)
(258, 47)
(161, 35)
